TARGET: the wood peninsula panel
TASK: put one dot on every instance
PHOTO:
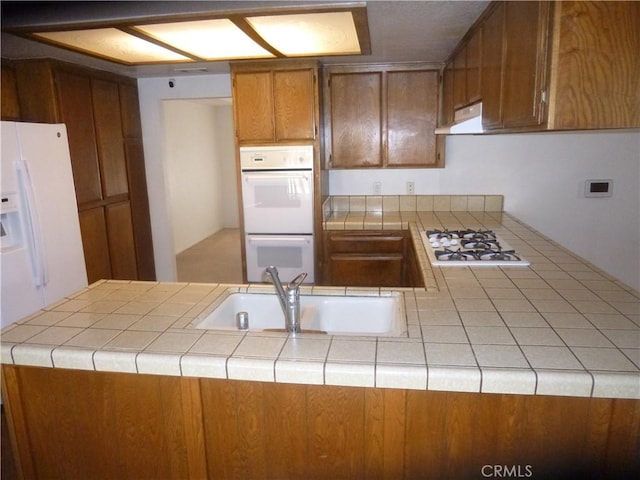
(80, 424)
(94, 425)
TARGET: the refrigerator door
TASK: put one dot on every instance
(45, 149)
(18, 294)
(50, 244)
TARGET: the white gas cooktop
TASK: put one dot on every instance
(470, 248)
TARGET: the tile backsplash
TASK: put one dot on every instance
(413, 203)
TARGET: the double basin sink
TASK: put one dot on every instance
(330, 314)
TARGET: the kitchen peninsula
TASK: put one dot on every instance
(534, 366)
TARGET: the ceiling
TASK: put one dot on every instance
(400, 31)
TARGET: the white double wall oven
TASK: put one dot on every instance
(277, 202)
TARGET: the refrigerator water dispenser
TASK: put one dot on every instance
(10, 232)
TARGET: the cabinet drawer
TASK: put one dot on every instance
(367, 270)
(367, 243)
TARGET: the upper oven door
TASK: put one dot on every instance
(278, 201)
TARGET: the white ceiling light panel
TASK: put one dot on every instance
(113, 43)
(214, 39)
(332, 33)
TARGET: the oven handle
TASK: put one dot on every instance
(270, 239)
(258, 177)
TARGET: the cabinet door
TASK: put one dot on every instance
(356, 120)
(76, 106)
(472, 67)
(446, 115)
(253, 106)
(121, 242)
(460, 79)
(491, 70)
(9, 103)
(95, 244)
(293, 92)
(108, 124)
(412, 110)
(524, 64)
(138, 192)
(384, 270)
(596, 65)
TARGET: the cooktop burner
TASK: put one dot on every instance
(470, 247)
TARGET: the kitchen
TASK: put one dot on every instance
(506, 158)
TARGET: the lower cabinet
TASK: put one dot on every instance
(370, 259)
(80, 424)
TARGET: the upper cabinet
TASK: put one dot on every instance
(381, 117)
(275, 103)
(595, 65)
(549, 66)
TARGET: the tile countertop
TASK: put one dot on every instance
(558, 327)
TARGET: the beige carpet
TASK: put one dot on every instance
(216, 259)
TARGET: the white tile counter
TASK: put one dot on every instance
(558, 327)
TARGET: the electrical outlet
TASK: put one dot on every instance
(411, 188)
(377, 188)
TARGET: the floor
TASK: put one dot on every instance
(216, 259)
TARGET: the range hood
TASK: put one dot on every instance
(465, 120)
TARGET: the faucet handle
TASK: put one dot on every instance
(296, 282)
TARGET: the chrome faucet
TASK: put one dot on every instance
(289, 297)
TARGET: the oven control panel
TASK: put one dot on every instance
(295, 157)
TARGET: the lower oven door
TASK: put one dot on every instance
(278, 201)
(291, 254)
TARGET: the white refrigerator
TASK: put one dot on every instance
(41, 256)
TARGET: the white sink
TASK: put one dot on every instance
(334, 315)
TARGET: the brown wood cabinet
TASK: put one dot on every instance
(491, 67)
(10, 108)
(381, 117)
(550, 66)
(275, 104)
(595, 65)
(526, 28)
(79, 424)
(105, 141)
(369, 258)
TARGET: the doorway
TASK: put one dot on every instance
(202, 186)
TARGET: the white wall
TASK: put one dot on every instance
(196, 169)
(542, 179)
(226, 151)
(152, 91)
